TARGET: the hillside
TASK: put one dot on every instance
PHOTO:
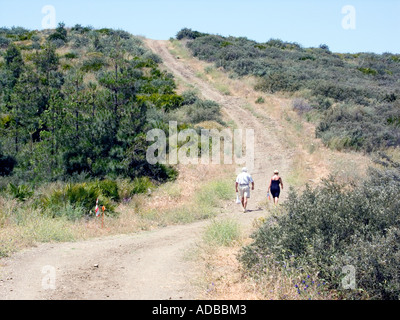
(78, 101)
(343, 223)
(76, 104)
(152, 263)
(353, 98)
(75, 107)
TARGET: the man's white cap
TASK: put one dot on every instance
(244, 169)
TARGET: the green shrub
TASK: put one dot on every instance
(301, 106)
(189, 34)
(141, 185)
(189, 97)
(79, 197)
(80, 29)
(71, 55)
(260, 100)
(105, 31)
(4, 42)
(59, 34)
(127, 187)
(108, 188)
(327, 228)
(20, 192)
(93, 64)
(199, 111)
(66, 67)
(368, 71)
(359, 127)
(69, 211)
(278, 81)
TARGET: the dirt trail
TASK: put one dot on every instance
(146, 265)
(269, 151)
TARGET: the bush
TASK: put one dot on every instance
(189, 97)
(301, 106)
(79, 197)
(80, 29)
(109, 189)
(335, 225)
(362, 128)
(189, 34)
(69, 211)
(20, 192)
(59, 34)
(94, 63)
(79, 41)
(4, 42)
(141, 185)
(71, 55)
(260, 100)
(278, 81)
(58, 43)
(127, 187)
(199, 111)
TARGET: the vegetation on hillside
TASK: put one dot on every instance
(354, 97)
(321, 233)
(333, 227)
(75, 106)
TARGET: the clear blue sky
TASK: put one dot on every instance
(307, 22)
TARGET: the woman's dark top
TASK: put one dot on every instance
(275, 188)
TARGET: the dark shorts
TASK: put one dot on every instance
(275, 192)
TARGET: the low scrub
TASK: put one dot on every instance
(20, 192)
(327, 229)
(366, 83)
(127, 188)
(77, 198)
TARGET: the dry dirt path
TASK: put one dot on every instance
(145, 265)
(269, 151)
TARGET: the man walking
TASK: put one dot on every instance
(243, 181)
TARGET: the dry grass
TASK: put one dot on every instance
(172, 203)
(225, 279)
(174, 195)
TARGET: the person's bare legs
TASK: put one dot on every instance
(244, 203)
(276, 200)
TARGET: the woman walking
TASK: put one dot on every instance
(274, 186)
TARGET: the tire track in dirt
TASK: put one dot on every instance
(147, 265)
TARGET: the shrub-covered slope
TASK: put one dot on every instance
(355, 97)
(80, 100)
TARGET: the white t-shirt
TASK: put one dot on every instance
(244, 178)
